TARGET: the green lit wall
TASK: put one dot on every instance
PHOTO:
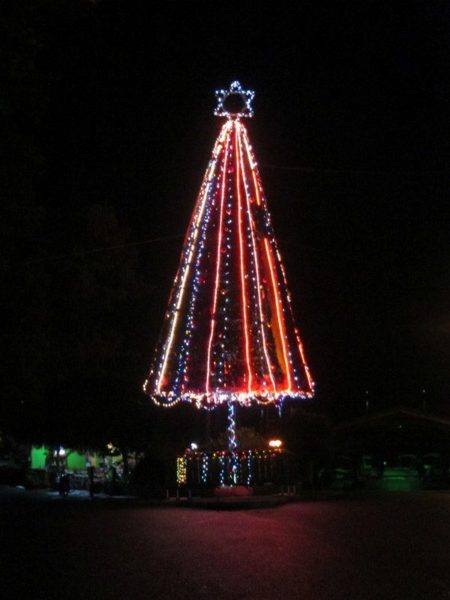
(38, 457)
(76, 461)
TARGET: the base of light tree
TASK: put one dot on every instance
(226, 491)
(240, 469)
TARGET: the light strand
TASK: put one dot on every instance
(218, 265)
(256, 262)
(242, 271)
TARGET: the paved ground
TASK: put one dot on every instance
(381, 547)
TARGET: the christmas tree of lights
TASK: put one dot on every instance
(229, 335)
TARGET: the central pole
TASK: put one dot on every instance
(232, 443)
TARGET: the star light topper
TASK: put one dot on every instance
(235, 89)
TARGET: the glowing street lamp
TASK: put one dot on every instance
(275, 443)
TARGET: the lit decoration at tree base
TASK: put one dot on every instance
(181, 470)
(229, 335)
(197, 469)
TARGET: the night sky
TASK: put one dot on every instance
(351, 134)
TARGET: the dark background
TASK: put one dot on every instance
(107, 118)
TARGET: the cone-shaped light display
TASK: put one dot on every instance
(229, 333)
